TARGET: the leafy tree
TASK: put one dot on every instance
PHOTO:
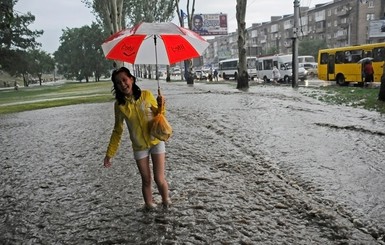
(243, 77)
(311, 47)
(40, 62)
(15, 37)
(80, 55)
(151, 11)
(110, 14)
(271, 51)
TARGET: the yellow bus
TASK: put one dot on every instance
(345, 64)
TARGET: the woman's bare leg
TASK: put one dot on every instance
(158, 161)
(145, 172)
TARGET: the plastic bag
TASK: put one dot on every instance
(161, 128)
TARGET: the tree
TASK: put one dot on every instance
(243, 77)
(80, 54)
(311, 47)
(39, 62)
(381, 93)
(15, 37)
(188, 74)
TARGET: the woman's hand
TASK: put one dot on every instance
(160, 99)
(107, 162)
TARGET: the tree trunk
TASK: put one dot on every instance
(39, 76)
(243, 77)
(188, 72)
(113, 12)
(381, 93)
(149, 69)
(187, 63)
(168, 79)
(25, 80)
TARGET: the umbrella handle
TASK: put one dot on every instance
(159, 105)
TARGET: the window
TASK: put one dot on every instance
(379, 54)
(268, 64)
(340, 57)
(259, 66)
(371, 4)
(350, 56)
(369, 16)
(324, 58)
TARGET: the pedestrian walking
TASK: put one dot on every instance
(216, 75)
(368, 73)
(137, 108)
(276, 75)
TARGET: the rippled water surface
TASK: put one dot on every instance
(266, 166)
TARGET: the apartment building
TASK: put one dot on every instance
(339, 23)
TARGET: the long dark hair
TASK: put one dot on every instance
(119, 96)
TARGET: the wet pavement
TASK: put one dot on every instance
(267, 166)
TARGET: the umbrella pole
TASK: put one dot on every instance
(156, 65)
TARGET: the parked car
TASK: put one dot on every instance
(176, 71)
(312, 70)
(302, 72)
(200, 75)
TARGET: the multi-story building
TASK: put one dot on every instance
(339, 23)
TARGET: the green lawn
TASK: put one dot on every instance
(366, 98)
(46, 96)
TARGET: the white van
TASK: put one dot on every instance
(265, 66)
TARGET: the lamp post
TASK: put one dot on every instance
(295, 45)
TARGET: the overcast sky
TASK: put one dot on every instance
(53, 16)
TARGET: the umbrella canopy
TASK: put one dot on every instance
(364, 60)
(154, 43)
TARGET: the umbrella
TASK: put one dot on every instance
(154, 43)
(364, 60)
(170, 42)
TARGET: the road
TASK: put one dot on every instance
(266, 166)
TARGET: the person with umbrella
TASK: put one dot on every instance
(137, 108)
(368, 73)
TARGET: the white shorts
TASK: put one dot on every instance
(156, 149)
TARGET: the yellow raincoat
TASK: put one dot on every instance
(137, 115)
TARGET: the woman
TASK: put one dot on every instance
(137, 108)
(276, 75)
(368, 73)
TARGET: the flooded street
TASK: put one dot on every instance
(267, 166)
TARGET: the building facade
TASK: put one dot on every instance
(339, 23)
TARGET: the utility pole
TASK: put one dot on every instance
(294, 83)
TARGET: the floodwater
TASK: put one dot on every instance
(266, 166)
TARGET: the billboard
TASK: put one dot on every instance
(377, 28)
(210, 24)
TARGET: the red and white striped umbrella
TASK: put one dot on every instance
(154, 43)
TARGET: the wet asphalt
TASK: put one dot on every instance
(241, 170)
